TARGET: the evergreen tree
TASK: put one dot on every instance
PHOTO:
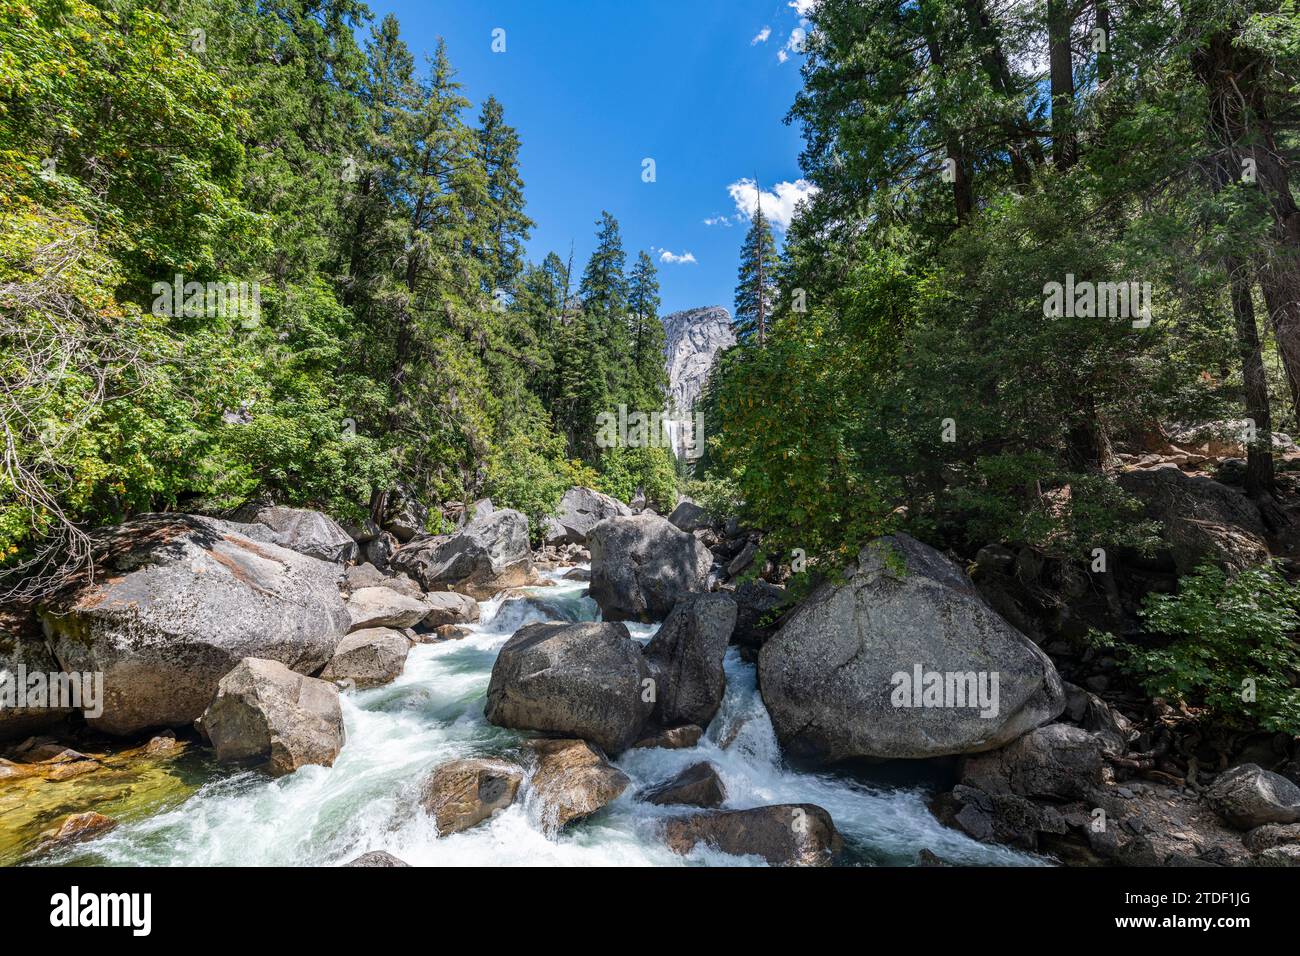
(646, 333)
(507, 225)
(756, 291)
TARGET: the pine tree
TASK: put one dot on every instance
(756, 291)
(646, 332)
(507, 225)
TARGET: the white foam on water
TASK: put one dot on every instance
(369, 799)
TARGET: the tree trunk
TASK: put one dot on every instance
(1240, 119)
(962, 197)
(1215, 68)
(1060, 23)
(1259, 453)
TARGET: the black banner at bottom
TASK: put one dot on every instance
(135, 906)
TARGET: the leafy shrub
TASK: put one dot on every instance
(1226, 633)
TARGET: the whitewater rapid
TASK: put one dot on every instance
(369, 799)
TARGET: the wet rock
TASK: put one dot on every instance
(581, 680)
(785, 835)
(177, 602)
(577, 574)
(463, 793)
(163, 745)
(927, 857)
(384, 607)
(66, 765)
(308, 532)
(581, 509)
(264, 712)
(698, 785)
(376, 858)
(369, 657)
(673, 738)
(641, 566)
(838, 677)
(449, 607)
(1200, 517)
(572, 780)
(76, 828)
(1249, 796)
(685, 658)
(488, 555)
(452, 632)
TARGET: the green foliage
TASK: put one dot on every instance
(625, 470)
(1224, 635)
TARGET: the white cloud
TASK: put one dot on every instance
(675, 260)
(718, 221)
(779, 204)
(798, 36)
(761, 36)
(782, 56)
(803, 7)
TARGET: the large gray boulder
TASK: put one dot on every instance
(176, 602)
(368, 658)
(1249, 796)
(488, 555)
(384, 607)
(902, 659)
(581, 509)
(642, 565)
(1201, 518)
(800, 834)
(585, 680)
(685, 658)
(308, 532)
(265, 713)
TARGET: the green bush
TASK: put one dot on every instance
(1227, 634)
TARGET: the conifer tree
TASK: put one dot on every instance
(646, 333)
(756, 290)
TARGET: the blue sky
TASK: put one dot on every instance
(597, 86)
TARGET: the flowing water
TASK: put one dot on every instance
(434, 713)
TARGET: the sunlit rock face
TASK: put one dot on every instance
(694, 338)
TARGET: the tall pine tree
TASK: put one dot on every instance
(756, 290)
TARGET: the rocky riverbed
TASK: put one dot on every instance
(630, 693)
